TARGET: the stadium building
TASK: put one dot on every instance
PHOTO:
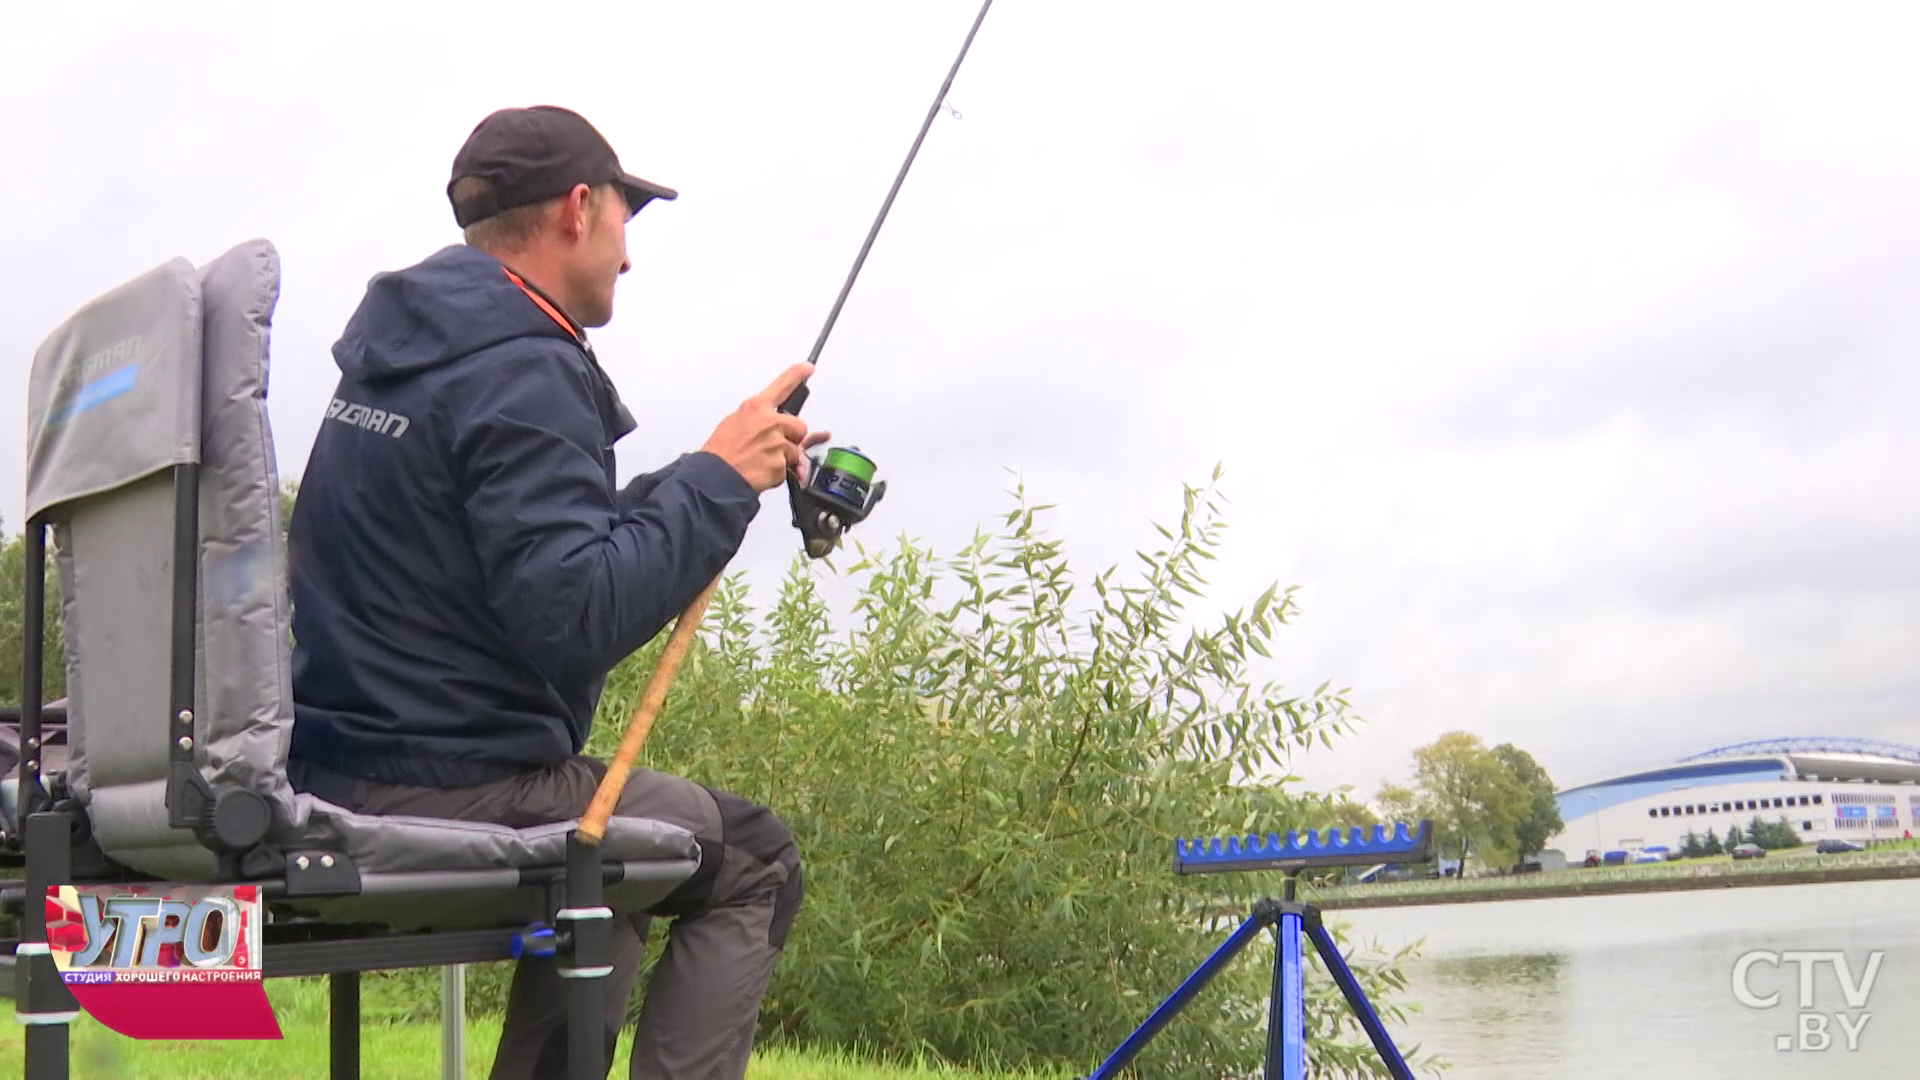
(1825, 788)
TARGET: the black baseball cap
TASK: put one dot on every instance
(538, 153)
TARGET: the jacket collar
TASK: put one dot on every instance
(621, 420)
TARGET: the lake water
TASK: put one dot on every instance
(1642, 986)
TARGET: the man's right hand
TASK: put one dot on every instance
(759, 440)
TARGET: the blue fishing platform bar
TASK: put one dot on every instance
(1291, 921)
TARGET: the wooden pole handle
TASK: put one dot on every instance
(593, 823)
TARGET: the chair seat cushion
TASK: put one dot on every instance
(383, 844)
(422, 873)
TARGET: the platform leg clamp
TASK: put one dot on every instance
(585, 938)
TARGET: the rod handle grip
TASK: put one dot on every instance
(593, 823)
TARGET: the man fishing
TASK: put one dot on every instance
(466, 572)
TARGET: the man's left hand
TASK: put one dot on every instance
(813, 439)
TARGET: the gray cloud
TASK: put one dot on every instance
(1792, 309)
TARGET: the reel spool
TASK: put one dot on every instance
(839, 493)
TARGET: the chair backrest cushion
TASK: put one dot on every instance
(114, 394)
(109, 494)
(113, 401)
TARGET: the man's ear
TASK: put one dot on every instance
(576, 212)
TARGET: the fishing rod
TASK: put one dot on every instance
(838, 493)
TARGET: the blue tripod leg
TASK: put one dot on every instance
(1287, 1005)
(1202, 975)
(1324, 944)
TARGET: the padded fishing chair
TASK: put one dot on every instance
(150, 460)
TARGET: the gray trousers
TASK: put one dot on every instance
(730, 920)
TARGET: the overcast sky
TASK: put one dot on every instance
(1567, 364)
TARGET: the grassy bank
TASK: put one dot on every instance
(388, 1051)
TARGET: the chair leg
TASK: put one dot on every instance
(47, 1051)
(42, 1001)
(453, 1022)
(343, 1026)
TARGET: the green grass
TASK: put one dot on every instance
(404, 1050)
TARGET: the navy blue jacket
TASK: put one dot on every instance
(465, 570)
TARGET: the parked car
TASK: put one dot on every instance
(1748, 851)
(1836, 847)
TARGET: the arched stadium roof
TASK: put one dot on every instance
(1812, 746)
(1829, 758)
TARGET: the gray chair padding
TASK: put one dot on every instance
(172, 368)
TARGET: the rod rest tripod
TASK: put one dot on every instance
(1290, 920)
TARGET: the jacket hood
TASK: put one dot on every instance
(452, 304)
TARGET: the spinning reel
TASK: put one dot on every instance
(839, 493)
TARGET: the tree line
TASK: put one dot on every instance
(1770, 835)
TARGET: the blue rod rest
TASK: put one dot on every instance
(1298, 851)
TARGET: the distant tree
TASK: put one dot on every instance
(1691, 846)
(1398, 802)
(1734, 839)
(1542, 818)
(1476, 803)
(1789, 836)
(1773, 835)
(289, 490)
(1342, 812)
(1712, 846)
(13, 609)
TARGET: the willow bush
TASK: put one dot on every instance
(986, 772)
